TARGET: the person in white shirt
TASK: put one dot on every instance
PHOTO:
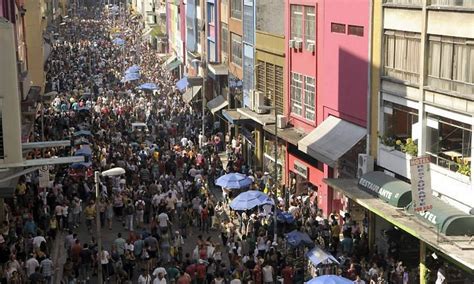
(31, 265)
(267, 272)
(160, 279)
(38, 240)
(144, 278)
(164, 220)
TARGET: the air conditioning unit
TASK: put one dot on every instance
(292, 43)
(281, 121)
(258, 101)
(365, 164)
(311, 47)
(298, 44)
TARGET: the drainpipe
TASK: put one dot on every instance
(369, 79)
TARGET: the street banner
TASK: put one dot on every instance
(43, 177)
(421, 184)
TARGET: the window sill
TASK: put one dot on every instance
(302, 119)
(450, 8)
(398, 81)
(449, 93)
(404, 6)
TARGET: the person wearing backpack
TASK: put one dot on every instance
(129, 211)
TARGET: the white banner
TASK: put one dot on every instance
(43, 177)
(421, 184)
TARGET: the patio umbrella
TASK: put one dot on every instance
(118, 41)
(148, 86)
(133, 69)
(250, 199)
(317, 256)
(234, 181)
(78, 166)
(296, 238)
(330, 279)
(130, 77)
(82, 133)
(84, 151)
(285, 217)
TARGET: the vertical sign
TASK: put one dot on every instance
(43, 177)
(421, 184)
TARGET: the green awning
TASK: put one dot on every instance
(391, 190)
(447, 219)
(173, 65)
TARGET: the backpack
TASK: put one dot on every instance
(129, 210)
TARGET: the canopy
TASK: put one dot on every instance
(130, 77)
(148, 86)
(217, 104)
(82, 133)
(191, 93)
(317, 256)
(81, 141)
(118, 41)
(330, 279)
(84, 151)
(132, 69)
(285, 217)
(250, 199)
(182, 84)
(296, 238)
(234, 181)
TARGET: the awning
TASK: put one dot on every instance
(452, 247)
(46, 51)
(169, 61)
(289, 134)
(391, 190)
(317, 256)
(262, 119)
(331, 139)
(217, 104)
(8, 187)
(233, 116)
(182, 84)
(190, 93)
(447, 219)
(173, 65)
(218, 69)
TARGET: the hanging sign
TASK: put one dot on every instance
(43, 177)
(421, 183)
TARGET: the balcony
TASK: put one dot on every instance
(409, 77)
(462, 89)
(394, 160)
(453, 3)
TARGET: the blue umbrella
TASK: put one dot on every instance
(84, 151)
(83, 109)
(130, 77)
(133, 69)
(182, 84)
(317, 256)
(296, 238)
(82, 133)
(330, 279)
(83, 165)
(250, 199)
(118, 41)
(285, 217)
(81, 141)
(148, 86)
(234, 181)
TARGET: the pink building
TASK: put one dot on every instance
(327, 79)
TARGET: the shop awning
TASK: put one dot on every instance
(331, 139)
(173, 65)
(217, 104)
(191, 93)
(234, 117)
(289, 134)
(46, 51)
(262, 119)
(218, 69)
(452, 247)
(182, 84)
(447, 219)
(169, 61)
(317, 256)
(391, 190)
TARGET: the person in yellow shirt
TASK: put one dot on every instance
(89, 213)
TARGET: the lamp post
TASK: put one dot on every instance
(112, 172)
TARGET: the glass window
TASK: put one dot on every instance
(296, 94)
(236, 9)
(309, 25)
(449, 143)
(212, 13)
(310, 98)
(402, 56)
(224, 38)
(236, 49)
(398, 123)
(338, 28)
(296, 22)
(451, 64)
(355, 30)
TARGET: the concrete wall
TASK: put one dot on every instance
(34, 41)
(269, 16)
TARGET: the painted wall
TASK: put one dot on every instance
(34, 41)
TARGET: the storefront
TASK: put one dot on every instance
(269, 156)
(305, 173)
(394, 228)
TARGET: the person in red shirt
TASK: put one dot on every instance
(191, 271)
(257, 274)
(184, 278)
(287, 273)
(201, 272)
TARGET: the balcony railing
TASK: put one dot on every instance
(404, 2)
(409, 77)
(450, 85)
(453, 3)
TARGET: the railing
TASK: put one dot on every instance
(409, 77)
(453, 3)
(450, 85)
(404, 2)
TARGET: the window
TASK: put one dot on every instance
(270, 82)
(402, 56)
(296, 94)
(451, 64)
(212, 14)
(224, 38)
(398, 123)
(248, 26)
(236, 9)
(338, 28)
(309, 25)
(448, 142)
(236, 49)
(355, 30)
(296, 22)
(310, 98)
(457, 3)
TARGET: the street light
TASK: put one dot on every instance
(275, 170)
(108, 173)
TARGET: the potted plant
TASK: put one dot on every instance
(463, 167)
(409, 147)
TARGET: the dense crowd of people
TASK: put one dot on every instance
(166, 192)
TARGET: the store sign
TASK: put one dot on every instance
(43, 177)
(377, 189)
(300, 169)
(421, 183)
